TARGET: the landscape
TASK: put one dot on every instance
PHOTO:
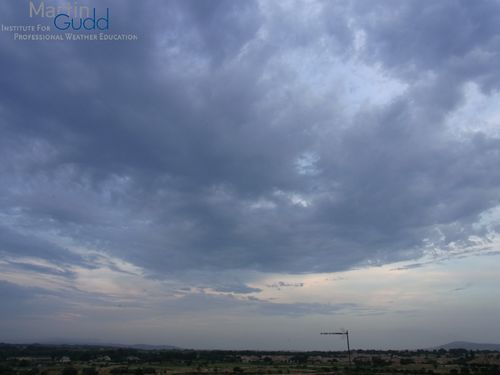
(249, 187)
(36, 359)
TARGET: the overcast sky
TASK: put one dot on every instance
(248, 174)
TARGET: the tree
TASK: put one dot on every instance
(89, 371)
(6, 370)
(70, 371)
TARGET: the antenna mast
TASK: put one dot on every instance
(346, 333)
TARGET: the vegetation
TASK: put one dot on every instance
(95, 360)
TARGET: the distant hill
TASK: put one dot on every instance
(469, 346)
(151, 347)
(108, 345)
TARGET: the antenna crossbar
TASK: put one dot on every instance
(346, 333)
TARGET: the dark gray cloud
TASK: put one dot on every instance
(16, 244)
(413, 39)
(25, 303)
(230, 305)
(179, 152)
(236, 288)
(282, 284)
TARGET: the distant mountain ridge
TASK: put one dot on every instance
(109, 345)
(152, 347)
(144, 346)
(469, 346)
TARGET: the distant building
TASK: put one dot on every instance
(35, 359)
(250, 358)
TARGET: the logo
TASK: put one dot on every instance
(63, 22)
(51, 20)
(70, 16)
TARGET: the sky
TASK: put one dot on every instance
(248, 174)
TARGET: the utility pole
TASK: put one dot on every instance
(346, 333)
